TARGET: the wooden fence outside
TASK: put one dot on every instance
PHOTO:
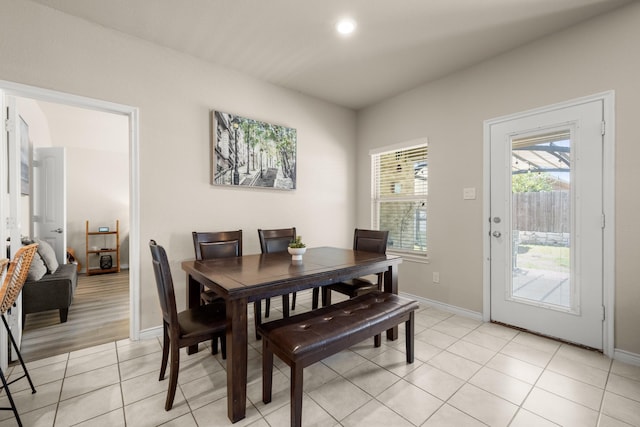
(544, 211)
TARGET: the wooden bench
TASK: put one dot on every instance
(307, 338)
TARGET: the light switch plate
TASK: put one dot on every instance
(469, 193)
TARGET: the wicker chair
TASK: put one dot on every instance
(11, 287)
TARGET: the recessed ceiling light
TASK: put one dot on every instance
(346, 26)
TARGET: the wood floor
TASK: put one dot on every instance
(99, 314)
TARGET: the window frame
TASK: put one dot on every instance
(377, 200)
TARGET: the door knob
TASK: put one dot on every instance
(57, 230)
(496, 234)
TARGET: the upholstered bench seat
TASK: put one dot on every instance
(307, 338)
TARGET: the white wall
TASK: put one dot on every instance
(598, 55)
(175, 93)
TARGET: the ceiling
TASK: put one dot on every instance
(397, 46)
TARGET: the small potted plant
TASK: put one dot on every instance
(297, 248)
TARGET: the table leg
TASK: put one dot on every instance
(193, 300)
(236, 359)
(391, 286)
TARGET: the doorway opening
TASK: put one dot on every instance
(58, 101)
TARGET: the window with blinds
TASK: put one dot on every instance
(399, 202)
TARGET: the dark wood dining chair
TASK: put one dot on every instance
(216, 244)
(277, 240)
(185, 328)
(9, 291)
(363, 240)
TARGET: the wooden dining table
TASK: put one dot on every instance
(242, 280)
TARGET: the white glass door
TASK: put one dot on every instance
(546, 223)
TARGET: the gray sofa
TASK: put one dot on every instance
(54, 291)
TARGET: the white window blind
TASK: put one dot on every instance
(399, 202)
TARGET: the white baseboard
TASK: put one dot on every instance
(626, 357)
(151, 333)
(445, 307)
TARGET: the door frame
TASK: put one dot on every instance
(608, 205)
(25, 91)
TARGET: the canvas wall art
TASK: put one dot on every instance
(253, 154)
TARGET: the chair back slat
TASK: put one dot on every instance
(164, 283)
(16, 276)
(370, 240)
(277, 240)
(219, 244)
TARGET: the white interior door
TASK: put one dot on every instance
(546, 216)
(12, 139)
(50, 198)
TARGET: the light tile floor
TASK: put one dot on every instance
(466, 373)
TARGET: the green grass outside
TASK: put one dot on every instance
(539, 257)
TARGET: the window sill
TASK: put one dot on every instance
(409, 257)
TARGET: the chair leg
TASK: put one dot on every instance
(15, 347)
(223, 346)
(173, 376)
(293, 301)
(296, 395)
(285, 305)
(257, 317)
(326, 296)
(267, 372)
(13, 405)
(165, 351)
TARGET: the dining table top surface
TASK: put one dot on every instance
(245, 275)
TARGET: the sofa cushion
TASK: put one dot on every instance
(48, 255)
(37, 269)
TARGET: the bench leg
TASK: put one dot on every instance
(64, 312)
(409, 333)
(296, 395)
(267, 372)
(377, 340)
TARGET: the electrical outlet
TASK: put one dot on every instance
(436, 277)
